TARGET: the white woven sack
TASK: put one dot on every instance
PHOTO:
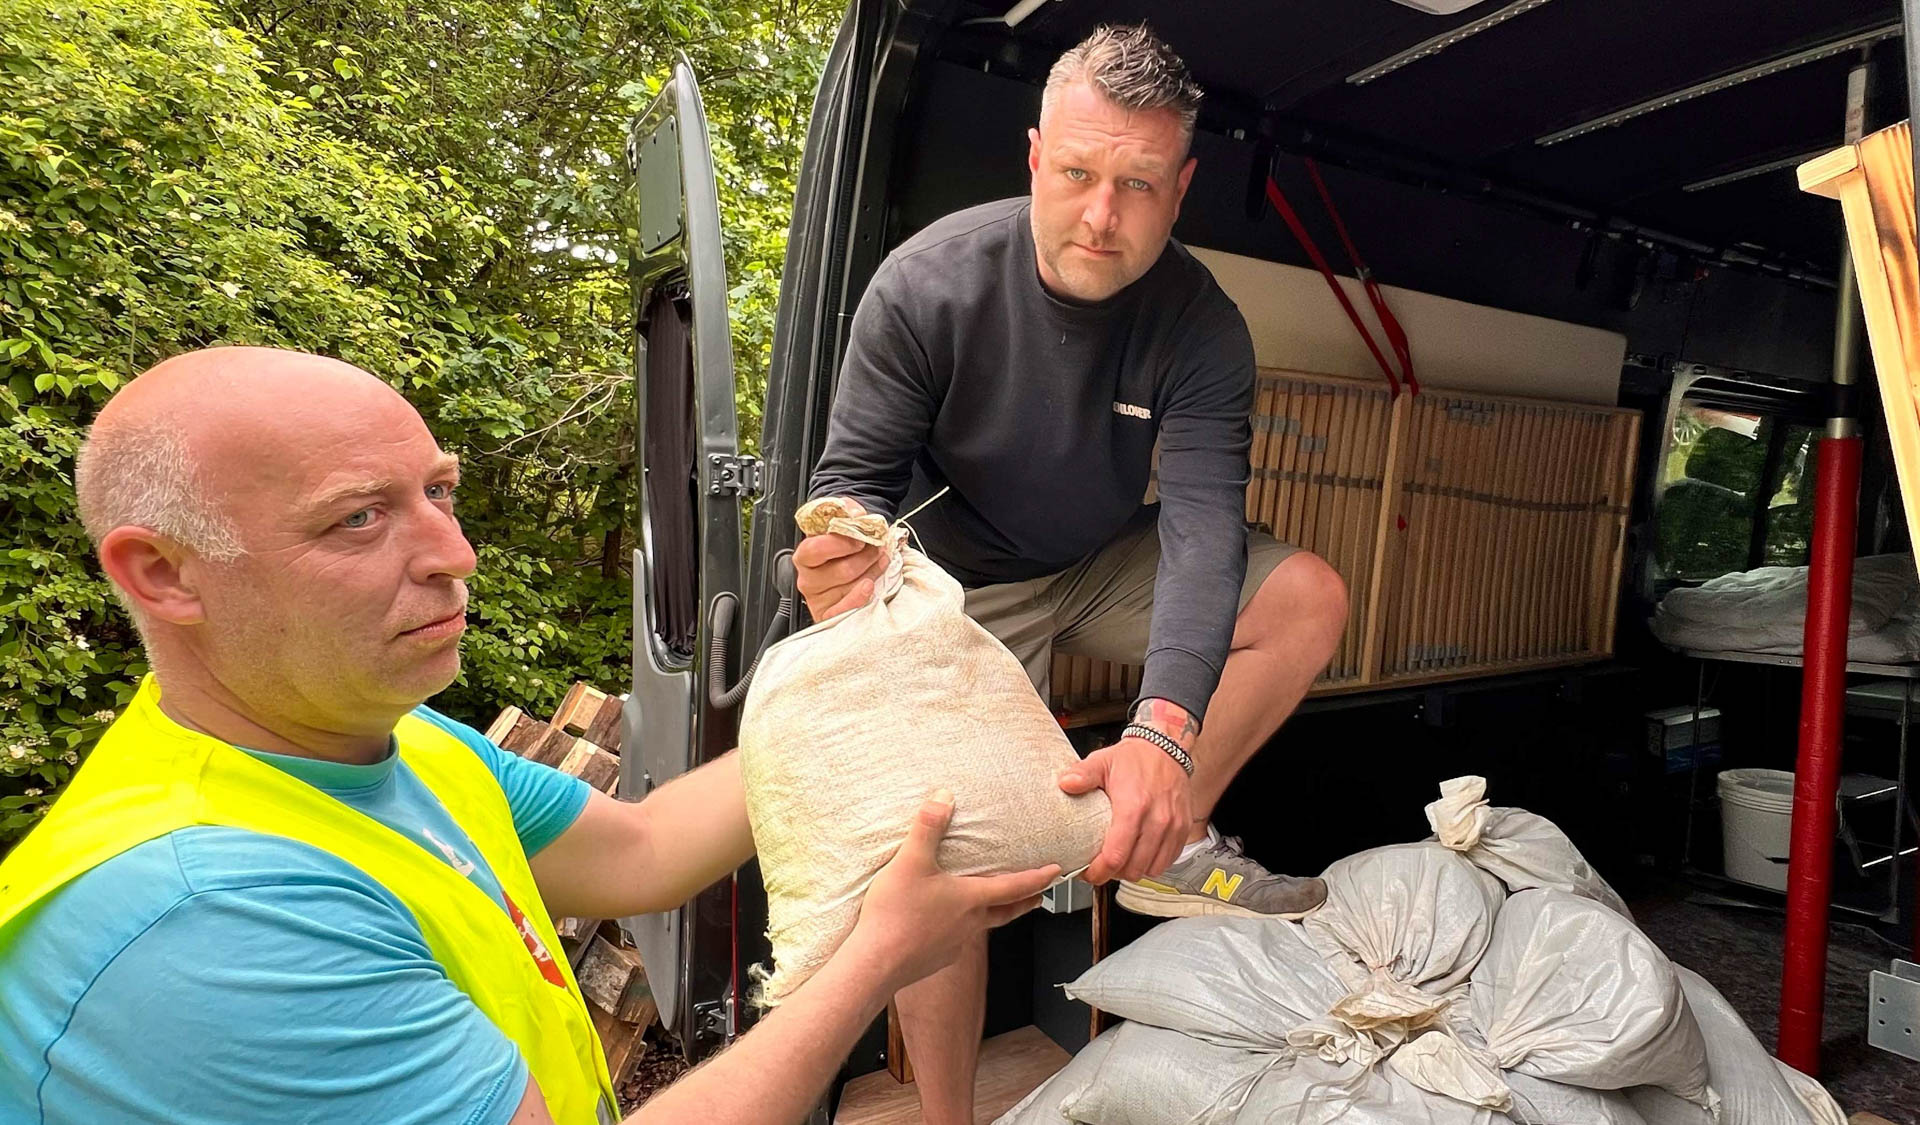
(1754, 1087)
(1415, 912)
(850, 725)
(1572, 992)
(1406, 924)
(1523, 849)
(1046, 1104)
(1537, 1101)
(1154, 1076)
(1311, 1091)
(1240, 982)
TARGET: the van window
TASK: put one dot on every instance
(1789, 516)
(1736, 492)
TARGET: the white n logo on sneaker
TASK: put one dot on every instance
(1221, 885)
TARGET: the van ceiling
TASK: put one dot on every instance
(1481, 106)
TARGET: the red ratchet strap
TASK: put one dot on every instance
(1389, 324)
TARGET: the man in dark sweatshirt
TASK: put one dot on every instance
(1026, 356)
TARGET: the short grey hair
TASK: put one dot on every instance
(145, 476)
(1134, 69)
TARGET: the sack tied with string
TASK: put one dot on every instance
(852, 723)
(1404, 926)
(1524, 850)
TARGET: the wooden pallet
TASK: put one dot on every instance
(1011, 1067)
(583, 740)
(1477, 534)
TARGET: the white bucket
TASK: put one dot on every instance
(1756, 825)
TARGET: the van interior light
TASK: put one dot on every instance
(1021, 11)
(1430, 47)
(1727, 81)
(1784, 162)
(1440, 7)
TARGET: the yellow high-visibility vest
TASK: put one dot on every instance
(150, 776)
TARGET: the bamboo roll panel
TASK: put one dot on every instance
(1502, 541)
(1476, 534)
(1315, 481)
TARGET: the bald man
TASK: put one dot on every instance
(282, 889)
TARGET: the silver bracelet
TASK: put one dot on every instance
(1143, 731)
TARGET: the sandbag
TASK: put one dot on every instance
(1442, 1064)
(1537, 1101)
(1155, 1076)
(1522, 849)
(1309, 1091)
(1046, 1104)
(1241, 982)
(1572, 992)
(1754, 1087)
(851, 724)
(1403, 926)
(1414, 913)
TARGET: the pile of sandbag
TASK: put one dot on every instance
(1488, 975)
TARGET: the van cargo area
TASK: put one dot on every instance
(1623, 311)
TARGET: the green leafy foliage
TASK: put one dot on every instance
(434, 191)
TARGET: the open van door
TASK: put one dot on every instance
(687, 557)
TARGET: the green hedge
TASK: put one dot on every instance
(432, 192)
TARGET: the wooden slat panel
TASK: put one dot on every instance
(1476, 533)
(1515, 522)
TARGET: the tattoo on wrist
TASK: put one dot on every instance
(1170, 719)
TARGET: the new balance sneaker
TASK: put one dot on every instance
(1218, 878)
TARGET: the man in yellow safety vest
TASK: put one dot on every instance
(280, 888)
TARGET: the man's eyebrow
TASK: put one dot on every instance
(348, 490)
(1075, 155)
(448, 466)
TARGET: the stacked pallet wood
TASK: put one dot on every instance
(583, 741)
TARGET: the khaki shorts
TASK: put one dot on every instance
(1100, 607)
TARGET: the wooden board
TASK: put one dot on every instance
(623, 1042)
(1296, 324)
(1011, 1066)
(1873, 180)
(611, 977)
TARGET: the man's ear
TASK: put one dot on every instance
(149, 568)
(1186, 177)
(1033, 151)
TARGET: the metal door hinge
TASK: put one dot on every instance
(733, 475)
(714, 1018)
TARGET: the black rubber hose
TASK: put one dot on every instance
(725, 604)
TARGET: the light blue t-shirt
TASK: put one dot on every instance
(216, 975)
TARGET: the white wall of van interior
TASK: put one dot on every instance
(1297, 325)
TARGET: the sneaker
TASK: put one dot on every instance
(1220, 879)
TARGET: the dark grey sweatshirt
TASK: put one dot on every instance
(1041, 415)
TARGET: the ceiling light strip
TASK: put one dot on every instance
(1756, 170)
(1442, 41)
(1726, 82)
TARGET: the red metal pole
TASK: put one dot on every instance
(1816, 779)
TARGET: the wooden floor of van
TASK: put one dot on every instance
(1011, 1067)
